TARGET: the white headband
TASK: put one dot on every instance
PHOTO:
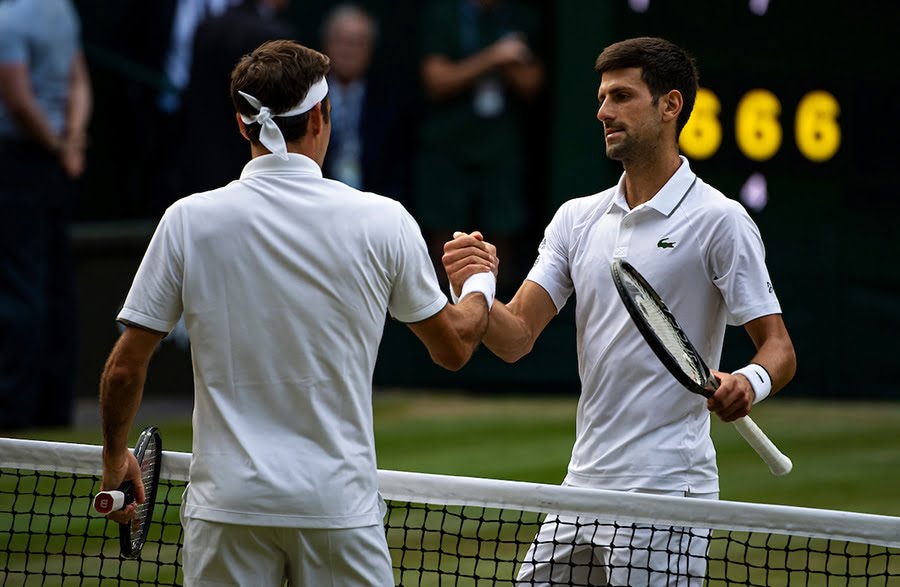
(270, 135)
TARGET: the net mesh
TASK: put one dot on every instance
(460, 531)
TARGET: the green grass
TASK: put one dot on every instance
(846, 457)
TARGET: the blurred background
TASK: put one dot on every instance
(795, 119)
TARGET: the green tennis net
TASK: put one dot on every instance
(459, 531)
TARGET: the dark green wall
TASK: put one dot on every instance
(830, 230)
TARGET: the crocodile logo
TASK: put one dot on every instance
(665, 244)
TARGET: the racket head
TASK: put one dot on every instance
(148, 452)
(659, 328)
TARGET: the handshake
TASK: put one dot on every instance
(471, 264)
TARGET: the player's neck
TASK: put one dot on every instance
(302, 147)
(646, 176)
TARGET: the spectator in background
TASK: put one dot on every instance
(45, 103)
(214, 152)
(158, 36)
(371, 142)
(478, 71)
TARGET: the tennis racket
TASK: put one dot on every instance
(669, 342)
(148, 452)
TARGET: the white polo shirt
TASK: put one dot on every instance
(285, 280)
(636, 426)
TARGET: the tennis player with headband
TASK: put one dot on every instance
(637, 428)
(284, 279)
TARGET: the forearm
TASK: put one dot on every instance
(525, 79)
(121, 389)
(777, 356)
(470, 321)
(444, 78)
(80, 101)
(507, 335)
(34, 125)
(475, 321)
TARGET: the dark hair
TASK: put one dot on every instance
(278, 74)
(664, 67)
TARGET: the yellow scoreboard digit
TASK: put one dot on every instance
(758, 126)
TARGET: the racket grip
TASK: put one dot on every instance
(777, 461)
(109, 501)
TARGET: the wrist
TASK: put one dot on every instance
(74, 140)
(113, 458)
(483, 283)
(759, 379)
(56, 146)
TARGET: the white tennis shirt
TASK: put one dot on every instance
(637, 427)
(285, 280)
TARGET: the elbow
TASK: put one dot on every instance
(791, 369)
(454, 365)
(511, 350)
(119, 376)
(453, 358)
(512, 355)
(451, 363)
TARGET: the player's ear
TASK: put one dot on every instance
(241, 126)
(316, 120)
(671, 104)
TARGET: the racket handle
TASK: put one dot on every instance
(777, 461)
(109, 501)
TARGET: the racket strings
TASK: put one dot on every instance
(148, 471)
(667, 333)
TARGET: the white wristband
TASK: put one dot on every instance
(759, 380)
(483, 283)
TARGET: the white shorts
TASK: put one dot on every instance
(216, 554)
(578, 551)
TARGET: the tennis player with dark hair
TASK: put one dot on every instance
(284, 279)
(637, 428)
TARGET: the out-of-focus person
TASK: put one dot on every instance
(479, 71)
(213, 151)
(372, 137)
(157, 39)
(45, 103)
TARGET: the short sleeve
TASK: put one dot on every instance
(13, 48)
(737, 259)
(155, 299)
(551, 269)
(415, 292)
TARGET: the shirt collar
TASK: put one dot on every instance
(668, 197)
(296, 163)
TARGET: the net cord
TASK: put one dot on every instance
(533, 497)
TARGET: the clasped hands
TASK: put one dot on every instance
(466, 255)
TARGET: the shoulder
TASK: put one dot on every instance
(13, 16)
(201, 205)
(708, 204)
(367, 207)
(580, 210)
(717, 219)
